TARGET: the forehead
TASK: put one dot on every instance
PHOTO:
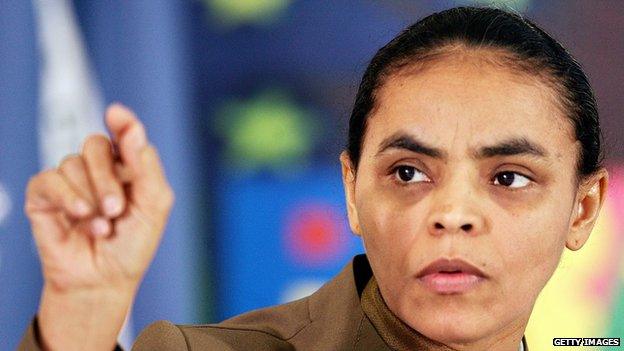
(464, 97)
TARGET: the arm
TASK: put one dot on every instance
(31, 340)
(94, 251)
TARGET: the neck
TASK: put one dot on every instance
(400, 336)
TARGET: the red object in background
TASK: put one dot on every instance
(314, 234)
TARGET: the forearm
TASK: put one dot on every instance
(84, 320)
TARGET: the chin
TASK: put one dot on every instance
(450, 325)
(451, 333)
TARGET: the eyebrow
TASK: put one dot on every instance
(513, 146)
(508, 147)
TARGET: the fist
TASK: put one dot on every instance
(97, 219)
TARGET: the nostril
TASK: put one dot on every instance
(439, 226)
(466, 227)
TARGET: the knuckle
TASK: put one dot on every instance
(169, 196)
(27, 208)
(49, 177)
(165, 199)
(94, 141)
(71, 161)
(39, 185)
(105, 182)
(28, 202)
(37, 178)
(32, 183)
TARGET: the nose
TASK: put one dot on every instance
(454, 220)
(456, 209)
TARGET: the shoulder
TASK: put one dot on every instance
(161, 335)
(264, 329)
(329, 319)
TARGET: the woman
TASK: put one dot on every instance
(473, 160)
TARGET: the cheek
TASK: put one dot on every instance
(390, 230)
(531, 246)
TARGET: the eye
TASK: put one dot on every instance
(511, 179)
(409, 174)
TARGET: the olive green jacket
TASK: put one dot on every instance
(330, 319)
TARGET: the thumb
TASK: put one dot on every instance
(150, 190)
(141, 166)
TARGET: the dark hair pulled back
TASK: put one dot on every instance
(531, 50)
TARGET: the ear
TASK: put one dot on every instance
(348, 181)
(589, 200)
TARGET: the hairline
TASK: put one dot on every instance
(533, 70)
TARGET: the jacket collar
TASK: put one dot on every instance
(390, 328)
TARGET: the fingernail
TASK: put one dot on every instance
(100, 226)
(111, 205)
(140, 139)
(119, 106)
(81, 207)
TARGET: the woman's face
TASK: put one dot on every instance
(468, 160)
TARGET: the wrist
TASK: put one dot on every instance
(81, 319)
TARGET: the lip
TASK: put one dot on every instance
(451, 276)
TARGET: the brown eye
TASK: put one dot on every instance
(409, 174)
(511, 180)
(406, 173)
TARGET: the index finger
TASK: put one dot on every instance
(128, 134)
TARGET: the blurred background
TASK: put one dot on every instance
(248, 102)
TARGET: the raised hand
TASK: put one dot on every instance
(97, 220)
